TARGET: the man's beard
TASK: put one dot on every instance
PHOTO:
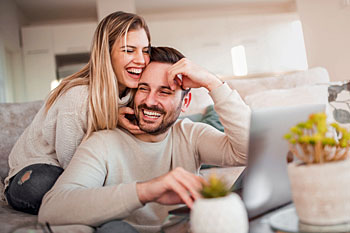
(164, 125)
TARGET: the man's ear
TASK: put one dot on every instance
(186, 101)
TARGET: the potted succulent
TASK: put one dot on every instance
(320, 178)
(220, 210)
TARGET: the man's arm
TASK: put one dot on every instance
(79, 195)
(230, 148)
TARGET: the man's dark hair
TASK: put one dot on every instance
(167, 55)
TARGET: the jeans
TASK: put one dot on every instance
(28, 187)
(116, 226)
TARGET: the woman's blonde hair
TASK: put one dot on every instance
(98, 72)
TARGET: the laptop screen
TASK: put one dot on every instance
(265, 182)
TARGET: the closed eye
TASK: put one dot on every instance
(165, 91)
(142, 88)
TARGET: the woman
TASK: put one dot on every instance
(84, 102)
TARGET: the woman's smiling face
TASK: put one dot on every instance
(129, 57)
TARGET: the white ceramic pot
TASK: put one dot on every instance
(219, 215)
(321, 192)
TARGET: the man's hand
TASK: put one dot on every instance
(193, 76)
(124, 122)
(175, 187)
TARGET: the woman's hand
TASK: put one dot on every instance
(125, 123)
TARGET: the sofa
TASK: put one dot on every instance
(302, 87)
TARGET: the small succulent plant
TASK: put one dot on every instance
(316, 141)
(216, 187)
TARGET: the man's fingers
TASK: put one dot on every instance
(182, 192)
(192, 183)
(189, 182)
(175, 74)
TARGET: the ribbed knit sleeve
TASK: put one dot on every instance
(234, 115)
(81, 188)
(71, 125)
(215, 147)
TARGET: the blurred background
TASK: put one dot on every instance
(43, 41)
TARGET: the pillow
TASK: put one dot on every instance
(251, 86)
(339, 103)
(314, 94)
(211, 118)
(199, 102)
(14, 118)
(195, 117)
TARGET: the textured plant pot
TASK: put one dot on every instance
(321, 192)
(219, 215)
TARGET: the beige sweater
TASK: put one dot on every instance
(53, 138)
(100, 182)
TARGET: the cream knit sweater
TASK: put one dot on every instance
(53, 138)
(99, 184)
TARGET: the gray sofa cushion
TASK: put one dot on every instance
(14, 118)
(11, 219)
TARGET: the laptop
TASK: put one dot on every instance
(265, 180)
(264, 183)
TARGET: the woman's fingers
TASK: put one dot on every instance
(136, 131)
(126, 110)
(125, 120)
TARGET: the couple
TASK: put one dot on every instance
(116, 175)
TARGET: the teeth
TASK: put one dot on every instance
(151, 114)
(134, 70)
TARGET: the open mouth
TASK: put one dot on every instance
(151, 114)
(134, 71)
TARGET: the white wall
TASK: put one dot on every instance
(273, 42)
(106, 7)
(326, 25)
(11, 65)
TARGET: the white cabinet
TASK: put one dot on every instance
(37, 38)
(39, 61)
(39, 72)
(41, 44)
(73, 38)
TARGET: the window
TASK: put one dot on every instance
(239, 61)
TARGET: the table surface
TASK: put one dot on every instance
(257, 225)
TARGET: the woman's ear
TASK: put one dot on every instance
(186, 101)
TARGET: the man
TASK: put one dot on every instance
(139, 178)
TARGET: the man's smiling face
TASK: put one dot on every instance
(156, 106)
